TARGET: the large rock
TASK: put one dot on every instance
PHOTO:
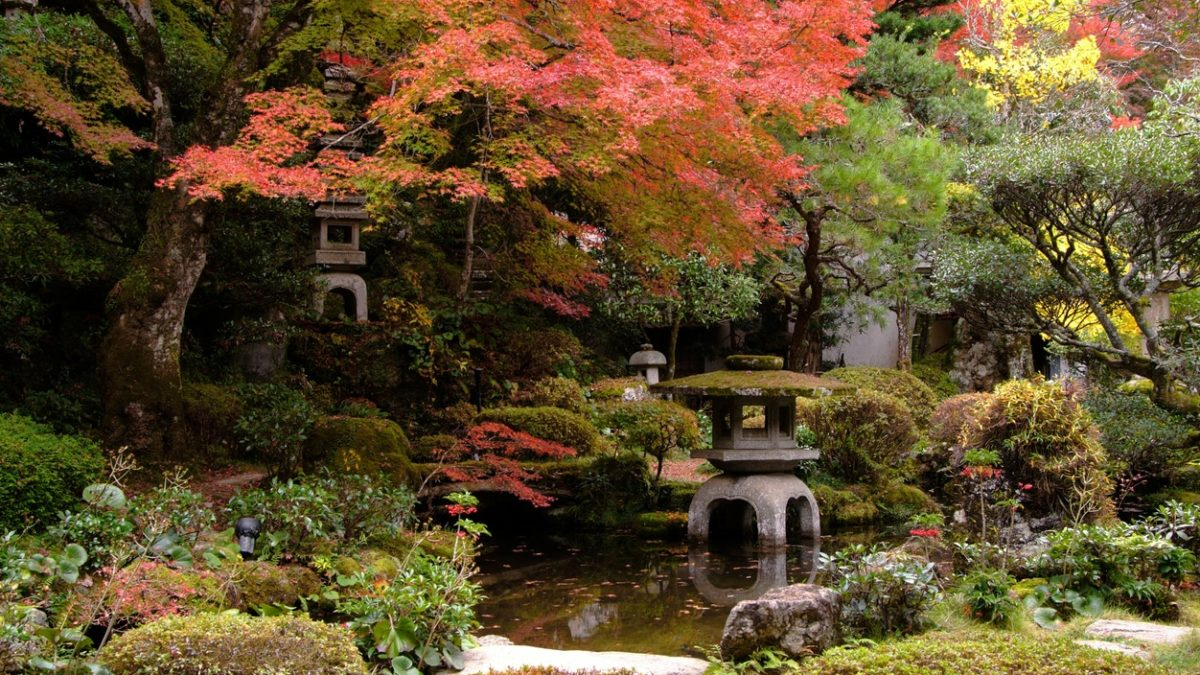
(802, 620)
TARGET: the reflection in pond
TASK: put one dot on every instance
(624, 593)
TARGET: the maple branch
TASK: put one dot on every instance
(550, 39)
(291, 22)
(154, 62)
(132, 63)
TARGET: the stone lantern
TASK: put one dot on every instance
(754, 415)
(335, 242)
(648, 362)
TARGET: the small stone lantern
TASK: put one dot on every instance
(647, 361)
(754, 412)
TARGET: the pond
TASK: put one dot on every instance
(623, 593)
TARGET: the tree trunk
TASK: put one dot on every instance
(464, 283)
(671, 343)
(904, 322)
(140, 355)
(808, 298)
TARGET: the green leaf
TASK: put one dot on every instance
(75, 554)
(1046, 617)
(103, 494)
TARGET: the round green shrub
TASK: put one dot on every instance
(655, 427)
(843, 507)
(550, 424)
(210, 412)
(1140, 437)
(234, 644)
(864, 437)
(361, 445)
(612, 490)
(917, 395)
(41, 472)
(1046, 439)
(993, 652)
(553, 392)
(274, 425)
(937, 379)
(429, 448)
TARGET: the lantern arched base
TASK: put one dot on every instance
(768, 506)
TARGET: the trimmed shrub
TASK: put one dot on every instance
(612, 490)
(41, 472)
(550, 424)
(843, 507)
(210, 412)
(553, 392)
(234, 644)
(937, 379)
(917, 395)
(430, 448)
(1140, 437)
(864, 437)
(996, 653)
(1045, 439)
(361, 445)
(899, 502)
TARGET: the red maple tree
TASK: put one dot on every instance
(657, 113)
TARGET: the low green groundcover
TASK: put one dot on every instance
(992, 653)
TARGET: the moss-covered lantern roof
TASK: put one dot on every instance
(753, 376)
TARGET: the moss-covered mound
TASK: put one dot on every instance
(917, 395)
(261, 583)
(362, 445)
(999, 653)
(551, 424)
(41, 472)
(862, 504)
(234, 644)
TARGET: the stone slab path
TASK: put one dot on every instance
(1138, 631)
(1143, 633)
(492, 654)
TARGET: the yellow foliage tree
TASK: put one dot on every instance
(1021, 52)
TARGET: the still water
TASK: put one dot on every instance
(623, 593)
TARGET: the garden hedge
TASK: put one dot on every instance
(864, 437)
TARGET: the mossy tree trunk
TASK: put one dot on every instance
(140, 354)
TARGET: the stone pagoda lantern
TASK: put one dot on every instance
(335, 241)
(648, 362)
(754, 418)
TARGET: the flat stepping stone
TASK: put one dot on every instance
(499, 657)
(1117, 647)
(1143, 632)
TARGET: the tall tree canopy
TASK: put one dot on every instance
(647, 119)
(1116, 218)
